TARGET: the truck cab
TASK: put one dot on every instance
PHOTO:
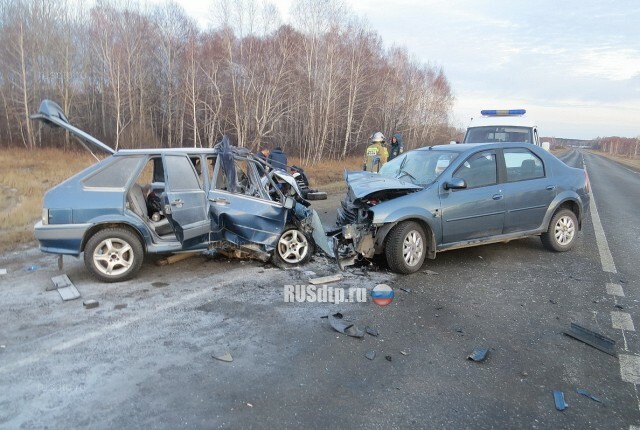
(510, 125)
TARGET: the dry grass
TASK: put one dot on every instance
(627, 161)
(24, 178)
(327, 175)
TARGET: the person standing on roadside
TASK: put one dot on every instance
(278, 159)
(397, 147)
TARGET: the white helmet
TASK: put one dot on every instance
(377, 138)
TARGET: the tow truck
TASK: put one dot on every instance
(510, 125)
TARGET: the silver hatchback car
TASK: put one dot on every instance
(135, 202)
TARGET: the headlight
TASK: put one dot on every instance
(45, 216)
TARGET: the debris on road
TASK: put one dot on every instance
(406, 290)
(3, 271)
(175, 258)
(592, 338)
(120, 306)
(325, 279)
(588, 394)
(226, 357)
(370, 355)
(553, 302)
(309, 273)
(558, 398)
(619, 306)
(478, 355)
(388, 358)
(430, 272)
(90, 304)
(341, 326)
(404, 353)
(65, 287)
(250, 405)
(31, 268)
(372, 331)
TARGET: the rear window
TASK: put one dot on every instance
(115, 174)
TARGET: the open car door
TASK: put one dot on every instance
(185, 201)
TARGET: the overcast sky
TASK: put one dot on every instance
(573, 64)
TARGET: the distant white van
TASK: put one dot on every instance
(510, 125)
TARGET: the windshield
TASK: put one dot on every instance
(418, 167)
(498, 134)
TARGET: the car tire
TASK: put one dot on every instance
(317, 195)
(562, 232)
(113, 254)
(406, 247)
(293, 248)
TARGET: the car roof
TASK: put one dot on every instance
(462, 147)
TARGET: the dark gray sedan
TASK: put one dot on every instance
(446, 197)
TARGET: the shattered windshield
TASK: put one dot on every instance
(418, 167)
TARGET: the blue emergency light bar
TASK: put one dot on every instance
(507, 112)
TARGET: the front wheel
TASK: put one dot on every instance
(406, 247)
(113, 254)
(562, 232)
(293, 248)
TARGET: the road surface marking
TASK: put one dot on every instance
(615, 290)
(603, 246)
(622, 321)
(630, 368)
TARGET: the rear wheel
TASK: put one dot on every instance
(113, 254)
(406, 247)
(562, 232)
(293, 248)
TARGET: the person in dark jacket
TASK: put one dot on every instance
(278, 159)
(397, 147)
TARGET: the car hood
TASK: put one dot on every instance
(364, 184)
(50, 113)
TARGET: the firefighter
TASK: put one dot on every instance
(376, 154)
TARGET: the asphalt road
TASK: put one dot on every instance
(150, 364)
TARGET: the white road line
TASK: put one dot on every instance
(622, 321)
(615, 290)
(630, 368)
(603, 246)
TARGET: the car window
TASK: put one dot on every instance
(522, 165)
(498, 134)
(479, 170)
(181, 175)
(113, 175)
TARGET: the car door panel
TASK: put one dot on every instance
(245, 219)
(239, 213)
(185, 202)
(479, 210)
(472, 214)
(528, 191)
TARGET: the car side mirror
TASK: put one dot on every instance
(455, 184)
(289, 202)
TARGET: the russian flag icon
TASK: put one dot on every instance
(382, 294)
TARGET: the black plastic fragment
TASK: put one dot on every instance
(592, 338)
